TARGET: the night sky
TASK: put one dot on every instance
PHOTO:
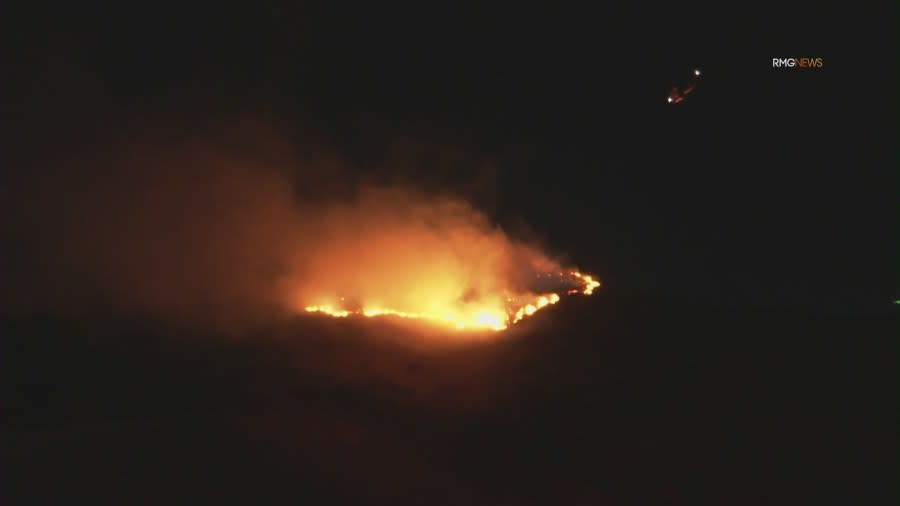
(768, 187)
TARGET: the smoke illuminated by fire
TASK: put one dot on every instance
(204, 233)
(403, 254)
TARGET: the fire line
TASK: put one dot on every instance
(478, 316)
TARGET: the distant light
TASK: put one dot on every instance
(669, 100)
(696, 72)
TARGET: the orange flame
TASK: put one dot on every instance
(589, 282)
(467, 316)
(398, 253)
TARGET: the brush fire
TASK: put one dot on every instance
(205, 235)
(495, 312)
(438, 261)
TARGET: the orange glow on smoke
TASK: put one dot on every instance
(403, 254)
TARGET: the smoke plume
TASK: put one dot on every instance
(233, 227)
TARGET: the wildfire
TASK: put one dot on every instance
(589, 282)
(399, 253)
(471, 315)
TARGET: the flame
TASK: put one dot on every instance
(396, 253)
(469, 316)
(589, 282)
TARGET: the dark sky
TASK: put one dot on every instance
(767, 187)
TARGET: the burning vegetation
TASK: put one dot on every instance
(479, 314)
(402, 254)
(206, 233)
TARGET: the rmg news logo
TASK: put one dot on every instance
(813, 63)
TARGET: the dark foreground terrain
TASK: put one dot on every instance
(599, 401)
